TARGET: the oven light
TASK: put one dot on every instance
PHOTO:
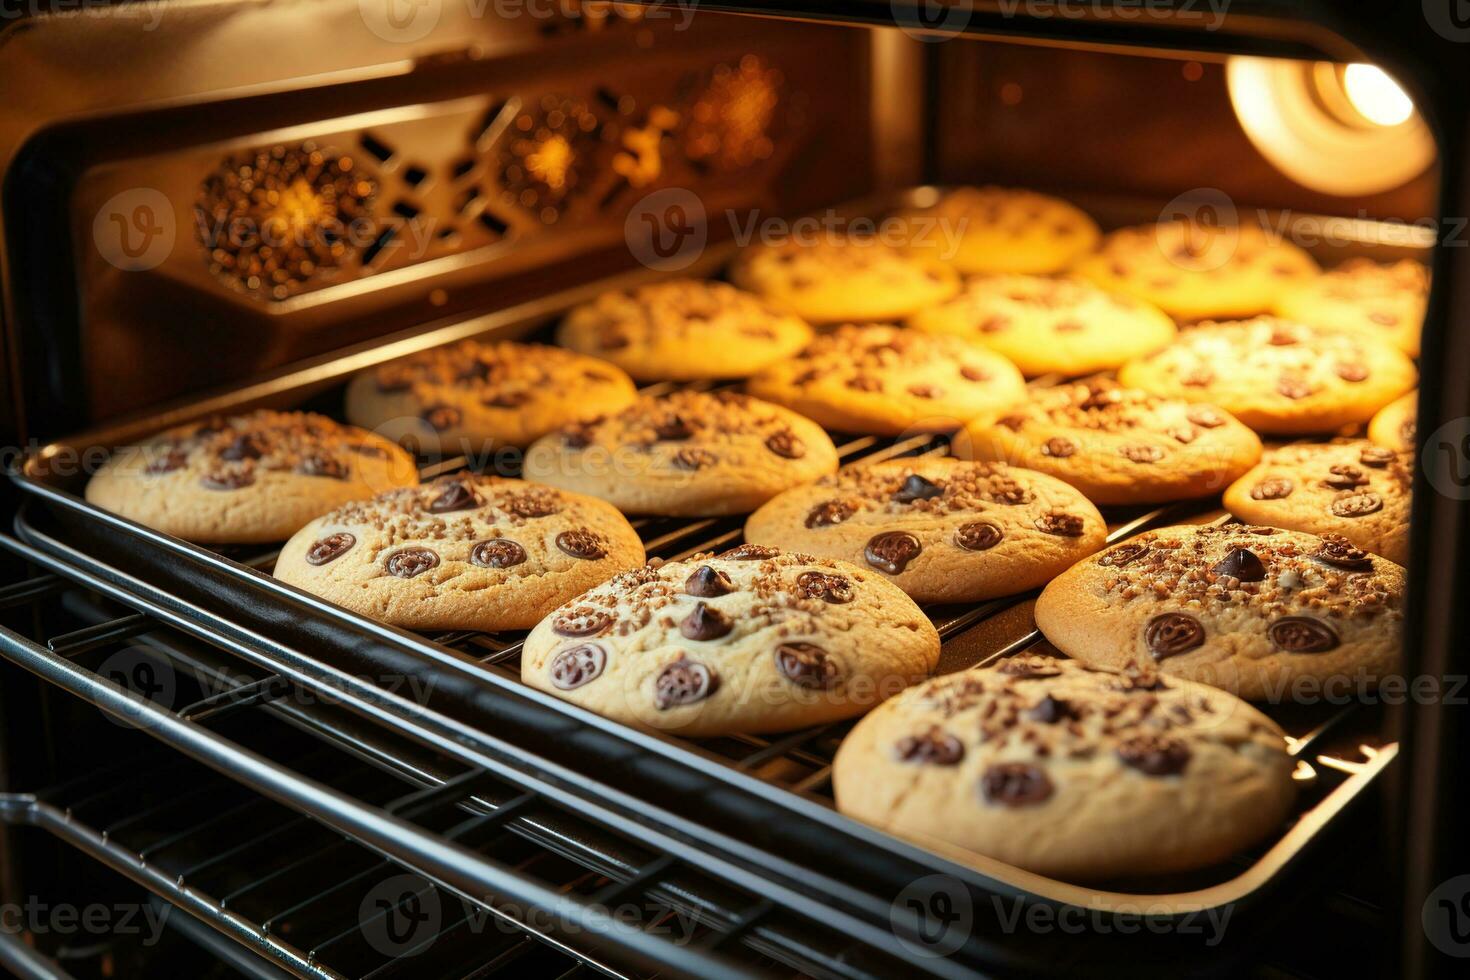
(1374, 93)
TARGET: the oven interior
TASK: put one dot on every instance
(490, 174)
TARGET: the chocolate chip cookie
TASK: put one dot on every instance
(885, 380)
(1118, 445)
(686, 454)
(982, 230)
(834, 280)
(1050, 326)
(1384, 301)
(475, 396)
(1350, 487)
(1395, 423)
(684, 330)
(753, 640)
(1193, 271)
(940, 529)
(247, 479)
(465, 552)
(1066, 771)
(1270, 615)
(1277, 376)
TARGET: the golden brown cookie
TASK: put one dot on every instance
(1395, 423)
(465, 552)
(1118, 445)
(1277, 376)
(1050, 326)
(1066, 771)
(1380, 300)
(1270, 615)
(982, 230)
(475, 396)
(751, 641)
(834, 280)
(686, 454)
(1194, 271)
(1349, 487)
(940, 529)
(885, 381)
(247, 479)
(683, 330)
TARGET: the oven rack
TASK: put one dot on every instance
(318, 820)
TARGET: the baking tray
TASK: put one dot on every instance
(758, 801)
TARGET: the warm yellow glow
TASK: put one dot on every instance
(1376, 95)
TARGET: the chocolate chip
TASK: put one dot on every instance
(1276, 488)
(1384, 319)
(533, 504)
(577, 436)
(475, 370)
(581, 543)
(1012, 422)
(1141, 454)
(442, 417)
(1198, 378)
(1352, 372)
(807, 665)
(172, 460)
(978, 536)
(970, 373)
(835, 589)
(582, 622)
(1293, 387)
(497, 553)
(1376, 457)
(830, 512)
(1241, 564)
(1343, 476)
(1026, 667)
(1124, 554)
(578, 665)
(994, 324)
(1406, 430)
(456, 496)
(865, 382)
(1339, 552)
(1015, 784)
(1357, 503)
(1068, 326)
(227, 479)
(1205, 417)
(891, 551)
(411, 561)
(1062, 525)
(786, 445)
(684, 682)
(614, 341)
(247, 445)
(672, 429)
(1154, 755)
(1052, 709)
(707, 583)
(1007, 491)
(691, 459)
(925, 391)
(1058, 447)
(1170, 634)
(915, 487)
(506, 399)
(323, 466)
(1283, 337)
(705, 623)
(751, 552)
(1302, 634)
(330, 548)
(934, 748)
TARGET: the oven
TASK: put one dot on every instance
(206, 772)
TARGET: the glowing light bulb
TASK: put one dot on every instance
(1376, 95)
